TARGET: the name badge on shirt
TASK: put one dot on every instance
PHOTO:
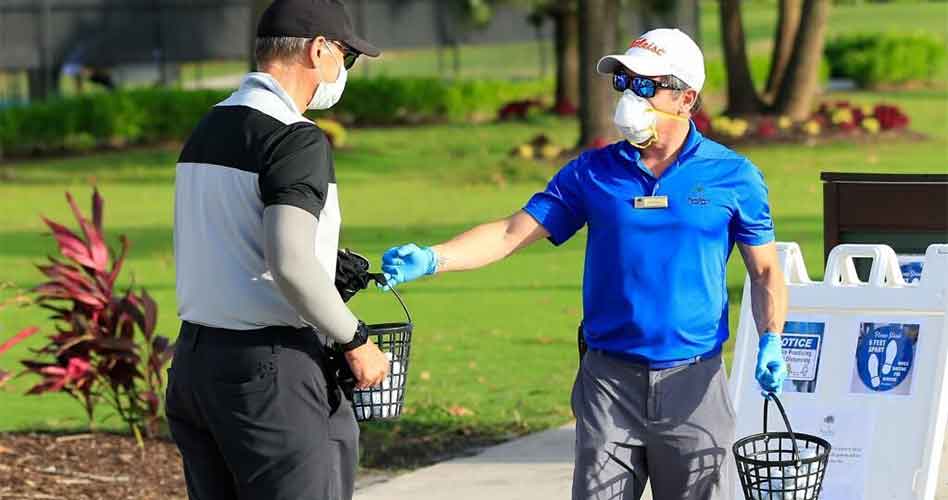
(651, 202)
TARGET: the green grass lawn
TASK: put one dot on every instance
(499, 342)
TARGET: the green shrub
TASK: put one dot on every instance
(872, 59)
(388, 101)
(150, 115)
(172, 114)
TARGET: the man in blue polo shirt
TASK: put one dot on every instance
(664, 209)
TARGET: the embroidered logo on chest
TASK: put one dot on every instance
(697, 196)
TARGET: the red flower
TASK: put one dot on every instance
(767, 129)
(702, 122)
(517, 109)
(890, 117)
(565, 108)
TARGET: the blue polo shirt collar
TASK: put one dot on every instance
(632, 154)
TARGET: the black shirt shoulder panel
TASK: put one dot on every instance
(230, 136)
(297, 168)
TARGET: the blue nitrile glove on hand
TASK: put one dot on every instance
(771, 368)
(407, 263)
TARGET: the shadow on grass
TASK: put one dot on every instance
(152, 165)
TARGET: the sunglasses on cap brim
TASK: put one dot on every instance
(349, 55)
(639, 85)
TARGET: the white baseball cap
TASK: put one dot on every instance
(660, 52)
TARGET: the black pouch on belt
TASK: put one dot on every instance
(340, 371)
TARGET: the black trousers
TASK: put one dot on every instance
(258, 416)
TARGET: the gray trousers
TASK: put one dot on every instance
(257, 416)
(671, 427)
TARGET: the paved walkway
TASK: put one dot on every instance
(537, 467)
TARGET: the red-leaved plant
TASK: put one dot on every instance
(104, 348)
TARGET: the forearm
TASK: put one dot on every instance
(478, 247)
(289, 233)
(769, 300)
(488, 243)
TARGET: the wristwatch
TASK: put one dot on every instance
(358, 340)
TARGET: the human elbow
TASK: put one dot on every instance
(765, 276)
(284, 266)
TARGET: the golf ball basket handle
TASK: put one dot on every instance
(770, 396)
(381, 281)
(781, 465)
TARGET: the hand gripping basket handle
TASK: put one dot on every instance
(786, 421)
(380, 279)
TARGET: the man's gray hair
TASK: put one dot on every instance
(279, 48)
(679, 85)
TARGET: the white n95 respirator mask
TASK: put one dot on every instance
(328, 93)
(637, 119)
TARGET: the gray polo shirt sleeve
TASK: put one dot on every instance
(297, 168)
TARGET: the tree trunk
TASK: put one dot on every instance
(597, 37)
(256, 10)
(39, 84)
(788, 21)
(566, 40)
(742, 98)
(802, 79)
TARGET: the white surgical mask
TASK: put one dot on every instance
(328, 93)
(637, 120)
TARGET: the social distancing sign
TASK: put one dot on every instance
(802, 349)
(868, 369)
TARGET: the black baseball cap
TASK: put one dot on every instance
(312, 18)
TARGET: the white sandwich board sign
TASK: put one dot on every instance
(868, 370)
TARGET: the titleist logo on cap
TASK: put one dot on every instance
(649, 46)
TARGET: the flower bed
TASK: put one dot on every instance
(831, 121)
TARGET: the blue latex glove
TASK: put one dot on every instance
(771, 368)
(407, 263)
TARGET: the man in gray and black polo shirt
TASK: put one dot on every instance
(251, 402)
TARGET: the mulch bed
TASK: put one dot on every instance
(88, 466)
(104, 466)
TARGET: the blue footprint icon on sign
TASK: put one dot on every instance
(885, 354)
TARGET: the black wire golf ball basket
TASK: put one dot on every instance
(385, 401)
(781, 465)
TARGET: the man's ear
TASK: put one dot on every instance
(688, 99)
(316, 50)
